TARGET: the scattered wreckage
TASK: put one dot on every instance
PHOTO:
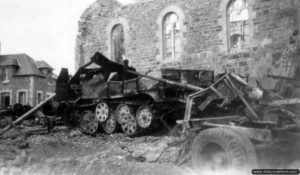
(14, 111)
(20, 114)
(264, 119)
(224, 120)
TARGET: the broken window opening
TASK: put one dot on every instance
(171, 37)
(39, 97)
(22, 97)
(238, 25)
(117, 43)
(5, 73)
(5, 99)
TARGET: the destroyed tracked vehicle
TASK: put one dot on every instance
(114, 95)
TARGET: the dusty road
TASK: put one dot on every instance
(71, 152)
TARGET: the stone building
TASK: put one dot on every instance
(244, 36)
(24, 80)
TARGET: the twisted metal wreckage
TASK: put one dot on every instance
(224, 121)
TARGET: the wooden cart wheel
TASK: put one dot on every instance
(129, 124)
(110, 125)
(122, 109)
(144, 116)
(102, 111)
(88, 122)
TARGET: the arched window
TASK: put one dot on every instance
(117, 43)
(238, 25)
(171, 37)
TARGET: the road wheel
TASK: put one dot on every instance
(222, 149)
(88, 122)
(121, 110)
(110, 125)
(102, 111)
(129, 124)
(144, 116)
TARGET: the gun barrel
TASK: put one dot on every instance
(104, 62)
(185, 86)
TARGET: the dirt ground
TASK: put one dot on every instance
(71, 152)
(67, 152)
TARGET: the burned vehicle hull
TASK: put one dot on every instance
(115, 95)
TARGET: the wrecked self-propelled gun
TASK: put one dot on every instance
(115, 94)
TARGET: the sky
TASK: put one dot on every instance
(43, 29)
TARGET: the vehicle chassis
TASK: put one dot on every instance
(262, 133)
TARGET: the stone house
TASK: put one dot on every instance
(24, 80)
(244, 36)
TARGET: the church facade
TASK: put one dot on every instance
(248, 37)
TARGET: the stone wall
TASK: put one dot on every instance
(44, 85)
(15, 84)
(30, 84)
(205, 39)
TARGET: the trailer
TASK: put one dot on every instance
(264, 120)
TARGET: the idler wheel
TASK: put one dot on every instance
(88, 122)
(122, 109)
(144, 116)
(102, 111)
(110, 125)
(129, 124)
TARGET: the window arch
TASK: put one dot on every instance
(117, 43)
(238, 25)
(171, 36)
